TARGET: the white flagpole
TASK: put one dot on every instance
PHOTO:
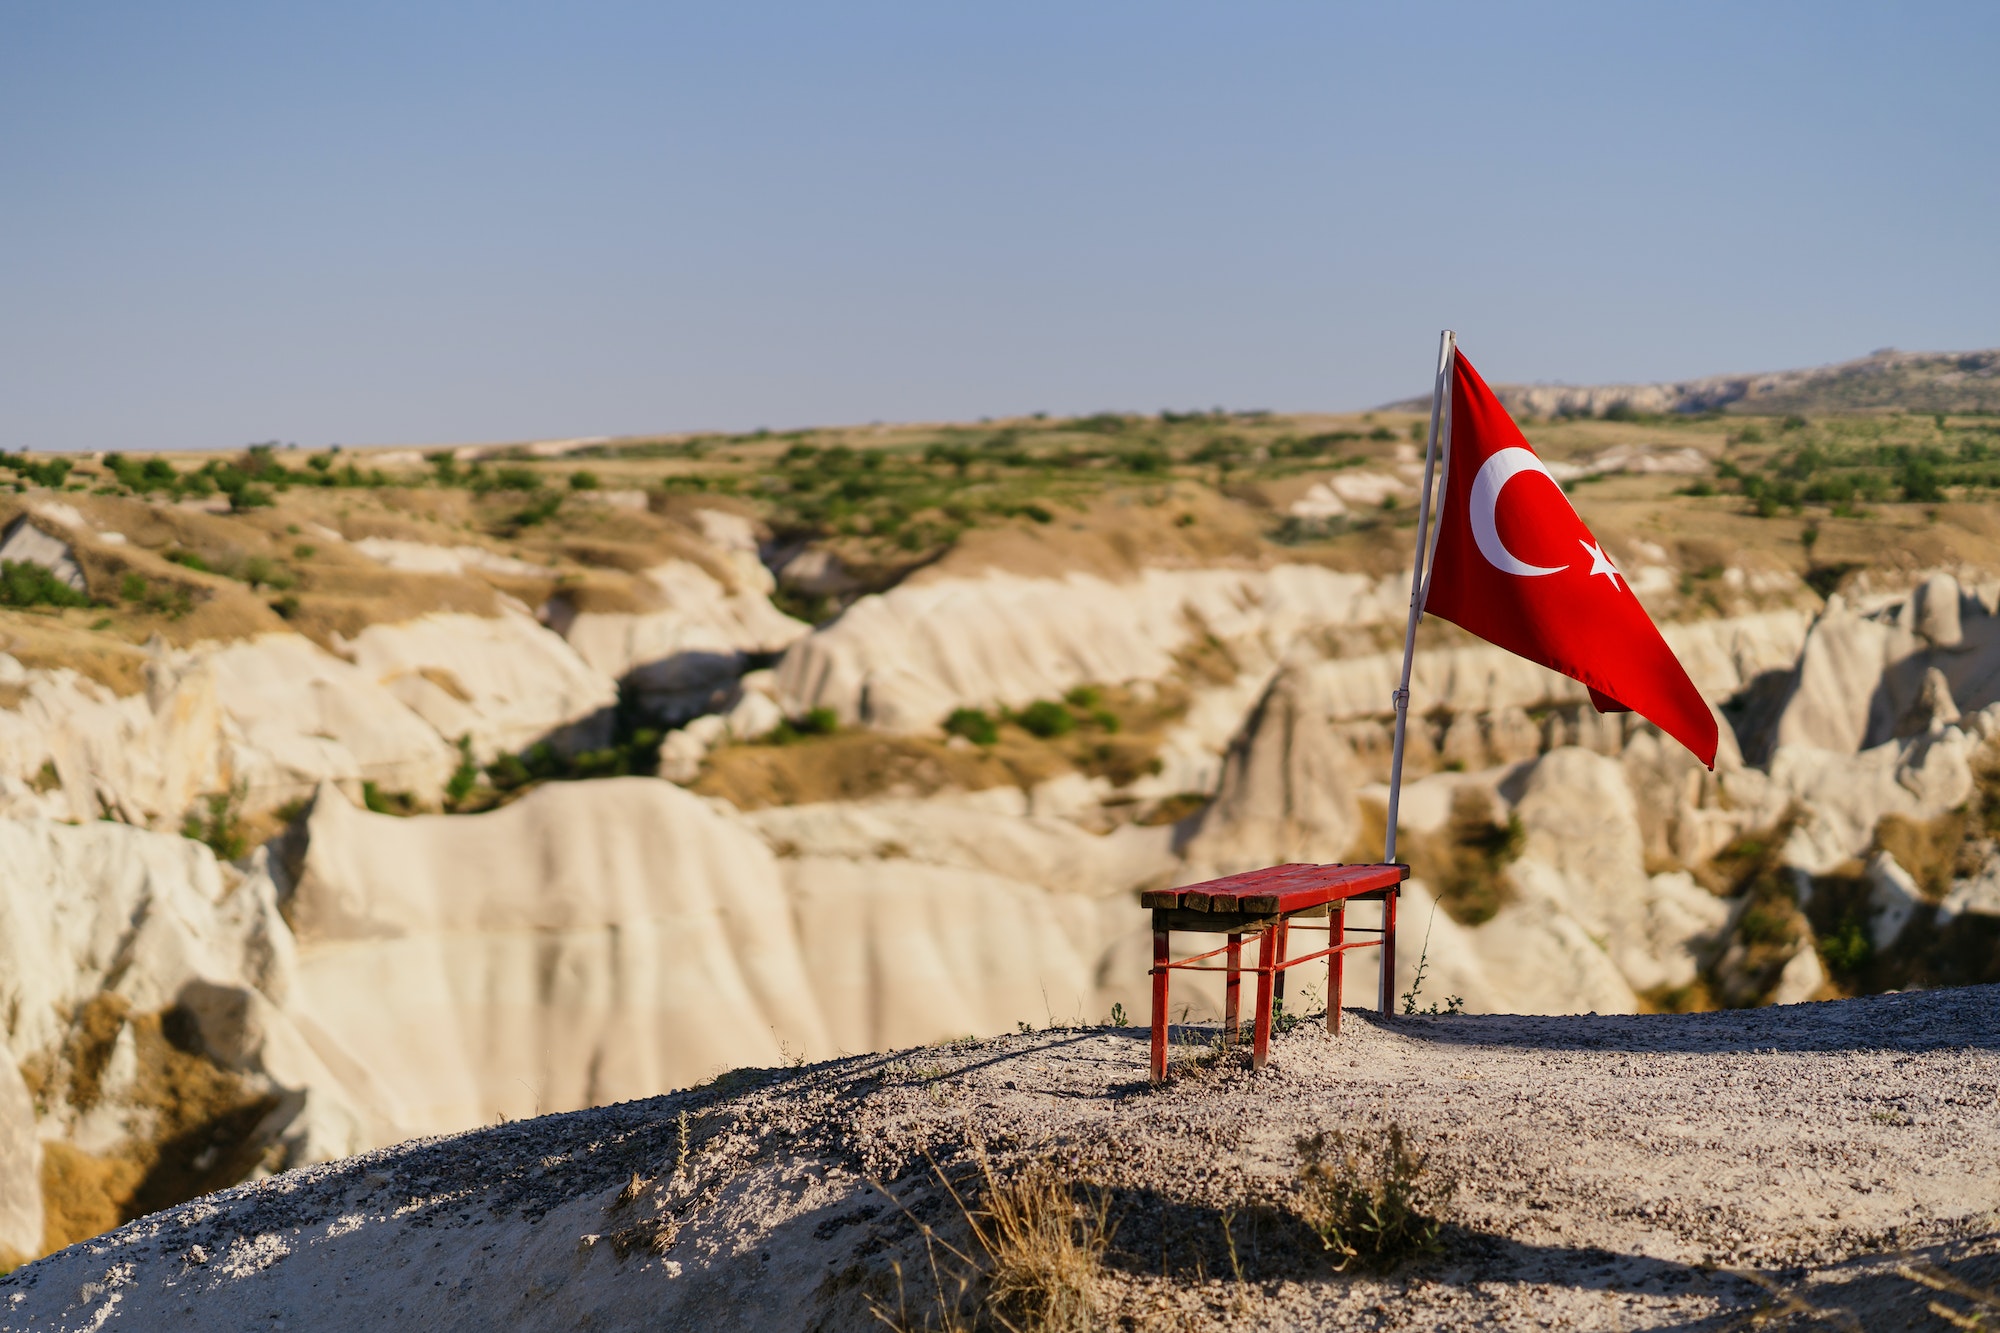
(1420, 584)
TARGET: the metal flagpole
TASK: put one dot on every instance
(1419, 581)
(1420, 587)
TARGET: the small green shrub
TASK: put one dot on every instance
(510, 771)
(25, 583)
(1047, 719)
(464, 777)
(263, 572)
(400, 803)
(1767, 921)
(1084, 696)
(219, 824)
(1847, 950)
(817, 722)
(51, 474)
(974, 725)
(171, 601)
(584, 480)
(538, 510)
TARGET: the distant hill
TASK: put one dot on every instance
(1888, 379)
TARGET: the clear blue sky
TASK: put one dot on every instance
(403, 222)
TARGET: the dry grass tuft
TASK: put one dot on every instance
(634, 1190)
(1046, 1248)
(1371, 1197)
(1985, 1303)
(1035, 1257)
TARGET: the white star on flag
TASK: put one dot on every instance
(1600, 563)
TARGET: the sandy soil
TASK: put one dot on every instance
(1615, 1172)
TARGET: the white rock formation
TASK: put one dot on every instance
(503, 680)
(603, 940)
(676, 657)
(1865, 678)
(1843, 797)
(20, 1170)
(899, 952)
(1287, 791)
(1584, 859)
(279, 715)
(142, 758)
(1893, 900)
(297, 716)
(1801, 979)
(904, 659)
(1978, 893)
(592, 942)
(410, 557)
(1344, 492)
(151, 918)
(1050, 854)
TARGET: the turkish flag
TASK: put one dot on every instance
(1517, 567)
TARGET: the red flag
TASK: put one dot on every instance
(1517, 567)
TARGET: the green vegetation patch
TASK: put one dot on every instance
(25, 583)
(1844, 463)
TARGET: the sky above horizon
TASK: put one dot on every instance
(382, 223)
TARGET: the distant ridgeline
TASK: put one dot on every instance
(1884, 380)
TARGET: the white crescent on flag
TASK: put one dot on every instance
(1498, 470)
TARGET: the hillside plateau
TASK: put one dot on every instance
(1885, 380)
(350, 796)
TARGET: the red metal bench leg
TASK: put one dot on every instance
(1284, 930)
(1260, 1039)
(1336, 967)
(1232, 993)
(1159, 1006)
(1388, 998)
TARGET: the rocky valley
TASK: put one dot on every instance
(353, 797)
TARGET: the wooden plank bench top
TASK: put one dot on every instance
(1279, 889)
(1269, 904)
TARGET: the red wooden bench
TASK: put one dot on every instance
(1270, 904)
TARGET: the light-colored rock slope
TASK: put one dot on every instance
(904, 659)
(589, 943)
(604, 940)
(148, 922)
(275, 714)
(1612, 1172)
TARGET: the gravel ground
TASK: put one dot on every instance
(1697, 1171)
